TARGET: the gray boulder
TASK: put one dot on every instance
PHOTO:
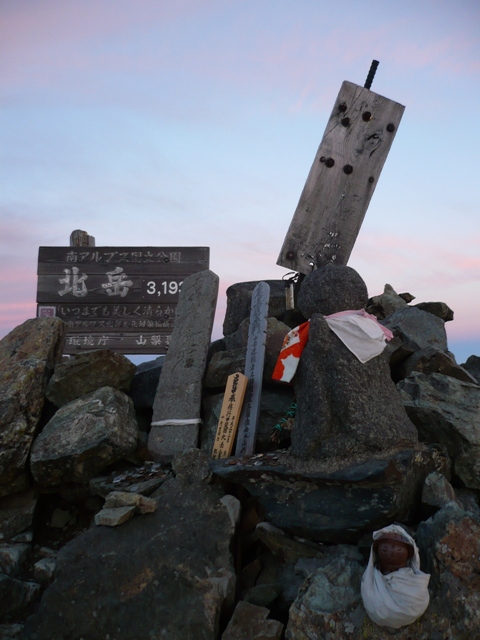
(84, 437)
(224, 363)
(17, 512)
(449, 545)
(328, 602)
(16, 594)
(417, 330)
(386, 303)
(432, 360)
(87, 372)
(239, 300)
(439, 309)
(27, 357)
(437, 492)
(251, 622)
(472, 365)
(447, 411)
(166, 574)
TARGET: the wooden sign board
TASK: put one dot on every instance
(121, 298)
(230, 415)
(342, 180)
(257, 335)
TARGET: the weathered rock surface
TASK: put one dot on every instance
(472, 365)
(179, 393)
(16, 513)
(328, 602)
(224, 363)
(142, 504)
(447, 410)
(250, 622)
(439, 309)
(27, 357)
(15, 594)
(344, 405)
(386, 303)
(12, 557)
(335, 501)
(449, 545)
(432, 360)
(114, 517)
(239, 299)
(417, 329)
(84, 437)
(87, 372)
(166, 574)
(437, 492)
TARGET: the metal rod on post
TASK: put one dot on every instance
(371, 74)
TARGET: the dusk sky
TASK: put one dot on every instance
(195, 123)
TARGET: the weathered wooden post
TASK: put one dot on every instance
(79, 238)
(342, 179)
(257, 334)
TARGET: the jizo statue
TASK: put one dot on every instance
(393, 552)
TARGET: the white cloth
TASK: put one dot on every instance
(360, 333)
(398, 598)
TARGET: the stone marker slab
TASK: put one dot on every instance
(230, 415)
(342, 179)
(257, 335)
(177, 404)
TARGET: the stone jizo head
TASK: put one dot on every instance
(332, 289)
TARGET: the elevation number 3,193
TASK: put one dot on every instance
(164, 288)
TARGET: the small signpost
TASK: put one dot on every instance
(121, 298)
(257, 334)
(342, 179)
(229, 415)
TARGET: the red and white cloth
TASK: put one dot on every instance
(358, 330)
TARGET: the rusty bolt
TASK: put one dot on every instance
(322, 159)
(371, 179)
(329, 162)
(366, 116)
(390, 127)
(342, 107)
(348, 169)
(345, 122)
(290, 255)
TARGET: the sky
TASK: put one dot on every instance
(195, 123)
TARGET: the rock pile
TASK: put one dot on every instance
(98, 540)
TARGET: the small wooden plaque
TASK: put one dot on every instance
(230, 415)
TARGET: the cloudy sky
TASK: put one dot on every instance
(195, 123)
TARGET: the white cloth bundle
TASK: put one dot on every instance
(398, 598)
